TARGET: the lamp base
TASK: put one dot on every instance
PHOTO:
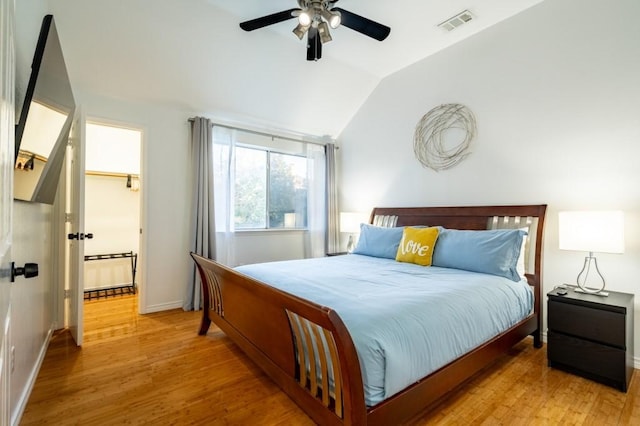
(595, 293)
(350, 244)
(582, 283)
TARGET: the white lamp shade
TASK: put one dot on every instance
(592, 231)
(289, 220)
(350, 221)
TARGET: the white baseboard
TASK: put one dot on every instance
(163, 307)
(24, 398)
(544, 336)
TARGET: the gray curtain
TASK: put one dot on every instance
(333, 231)
(202, 207)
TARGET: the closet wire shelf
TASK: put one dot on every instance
(117, 290)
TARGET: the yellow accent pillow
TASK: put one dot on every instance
(416, 245)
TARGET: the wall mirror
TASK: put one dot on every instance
(45, 121)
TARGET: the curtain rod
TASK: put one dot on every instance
(261, 133)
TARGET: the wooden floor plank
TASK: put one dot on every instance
(155, 370)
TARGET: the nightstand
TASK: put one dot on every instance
(591, 336)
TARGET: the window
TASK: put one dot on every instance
(270, 189)
(266, 182)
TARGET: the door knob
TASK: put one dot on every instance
(29, 270)
(79, 236)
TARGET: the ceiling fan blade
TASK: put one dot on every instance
(264, 21)
(314, 45)
(363, 25)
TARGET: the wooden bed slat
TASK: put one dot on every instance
(300, 357)
(310, 358)
(337, 375)
(215, 295)
(385, 221)
(324, 391)
(312, 344)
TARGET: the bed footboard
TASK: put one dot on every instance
(305, 348)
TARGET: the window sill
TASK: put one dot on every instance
(270, 231)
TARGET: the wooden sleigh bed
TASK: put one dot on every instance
(279, 331)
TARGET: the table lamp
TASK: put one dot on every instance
(591, 231)
(350, 224)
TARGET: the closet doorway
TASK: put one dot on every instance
(112, 212)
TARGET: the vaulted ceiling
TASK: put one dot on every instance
(193, 55)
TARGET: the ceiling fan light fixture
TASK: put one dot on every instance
(323, 32)
(333, 18)
(305, 18)
(300, 30)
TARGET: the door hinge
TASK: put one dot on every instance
(68, 217)
(67, 294)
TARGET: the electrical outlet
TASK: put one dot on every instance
(13, 358)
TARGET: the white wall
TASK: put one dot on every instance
(32, 300)
(268, 246)
(112, 214)
(557, 101)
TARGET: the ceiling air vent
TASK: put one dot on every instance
(455, 21)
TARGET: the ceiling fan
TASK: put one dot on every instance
(314, 19)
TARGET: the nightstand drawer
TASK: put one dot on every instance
(588, 323)
(594, 361)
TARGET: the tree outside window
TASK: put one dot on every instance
(270, 189)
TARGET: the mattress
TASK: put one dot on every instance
(406, 320)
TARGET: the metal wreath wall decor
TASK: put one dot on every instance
(443, 136)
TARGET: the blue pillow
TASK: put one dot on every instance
(491, 252)
(378, 242)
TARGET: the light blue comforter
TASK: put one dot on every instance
(405, 320)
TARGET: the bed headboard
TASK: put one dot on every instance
(478, 218)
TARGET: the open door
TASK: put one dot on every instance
(74, 289)
(7, 122)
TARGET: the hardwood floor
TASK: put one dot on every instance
(155, 370)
